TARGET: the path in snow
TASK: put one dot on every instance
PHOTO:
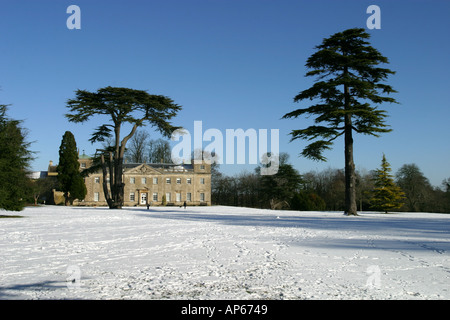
(222, 253)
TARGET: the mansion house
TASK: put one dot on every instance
(151, 184)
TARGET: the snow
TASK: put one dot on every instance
(222, 253)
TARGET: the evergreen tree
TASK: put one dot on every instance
(307, 201)
(122, 106)
(69, 176)
(386, 195)
(278, 189)
(347, 80)
(15, 158)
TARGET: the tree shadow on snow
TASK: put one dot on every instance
(15, 291)
(433, 231)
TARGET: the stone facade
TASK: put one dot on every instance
(153, 184)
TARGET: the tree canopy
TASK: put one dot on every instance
(416, 187)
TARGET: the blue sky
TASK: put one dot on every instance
(230, 63)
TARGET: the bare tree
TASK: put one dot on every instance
(159, 151)
(138, 144)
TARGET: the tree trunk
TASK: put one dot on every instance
(66, 199)
(117, 186)
(115, 195)
(105, 181)
(350, 176)
(118, 193)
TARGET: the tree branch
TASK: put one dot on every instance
(125, 140)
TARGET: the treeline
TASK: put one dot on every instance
(324, 190)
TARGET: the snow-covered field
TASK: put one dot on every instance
(222, 253)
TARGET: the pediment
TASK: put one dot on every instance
(142, 169)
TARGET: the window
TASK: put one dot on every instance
(188, 196)
(189, 181)
(167, 180)
(83, 165)
(178, 180)
(202, 167)
(144, 180)
(97, 179)
(178, 197)
(155, 196)
(96, 196)
(132, 180)
(168, 196)
(155, 180)
(202, 197)
(202, 180)
(132, 196)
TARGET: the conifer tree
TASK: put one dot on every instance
(347, 91)
(69, 176)
(15, 158)
(278, 189)
(122, 106)
(386, 195)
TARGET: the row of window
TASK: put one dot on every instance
(143, 200)
(155, 180)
